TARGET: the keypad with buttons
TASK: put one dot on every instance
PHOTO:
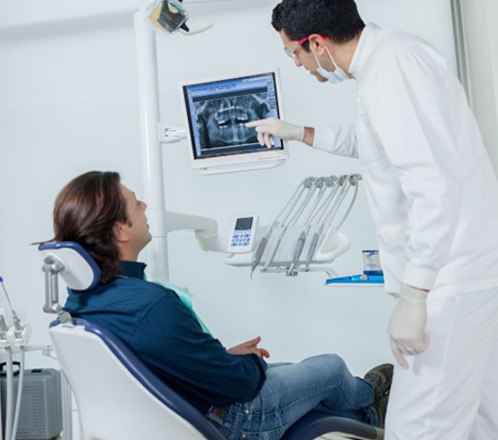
(241, 237)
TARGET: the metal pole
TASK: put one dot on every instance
(461, 54)
(152, 164)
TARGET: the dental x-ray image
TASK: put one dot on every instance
(221, 121)
(217, 111)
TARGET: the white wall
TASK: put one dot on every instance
(69, 104)
(481, 49)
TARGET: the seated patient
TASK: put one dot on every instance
(242, 395)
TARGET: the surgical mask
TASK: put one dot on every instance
(335, 77)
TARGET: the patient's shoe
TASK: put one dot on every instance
(381, 376)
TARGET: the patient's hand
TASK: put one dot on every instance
(249, 347)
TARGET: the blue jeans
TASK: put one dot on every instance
(292, 390)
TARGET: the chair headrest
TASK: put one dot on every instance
(79, 270)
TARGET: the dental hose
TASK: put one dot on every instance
(20, 385)
(355, 178)
(11, 422)
(4, 339)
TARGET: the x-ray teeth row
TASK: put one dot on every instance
(222, 121)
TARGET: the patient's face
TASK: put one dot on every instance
(138, 228)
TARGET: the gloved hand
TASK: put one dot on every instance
(407, 325)
(269, 128)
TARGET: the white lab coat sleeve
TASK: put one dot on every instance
(407, 101)
(340, 140)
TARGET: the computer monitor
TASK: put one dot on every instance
(217, 110)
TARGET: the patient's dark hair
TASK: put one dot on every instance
(86, 211)
(337, 19)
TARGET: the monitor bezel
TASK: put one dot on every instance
(265, 158)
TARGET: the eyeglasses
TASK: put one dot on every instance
(291, 53)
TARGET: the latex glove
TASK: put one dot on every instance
(407, 325)
(269, 128)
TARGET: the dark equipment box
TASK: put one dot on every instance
(41, 410)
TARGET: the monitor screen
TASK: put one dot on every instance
(217, 111)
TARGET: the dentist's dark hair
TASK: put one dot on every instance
(337, 19)
(86, 210)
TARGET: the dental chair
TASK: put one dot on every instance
(117, 395)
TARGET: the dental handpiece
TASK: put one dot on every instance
(258, 254)
(321, 184)
(18, 328)
(275, 248)
(3, 328)
(297, 252)
(311, 250)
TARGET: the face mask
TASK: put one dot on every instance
(335, 77)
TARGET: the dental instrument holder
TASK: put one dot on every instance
(304, 236)
(332, 245)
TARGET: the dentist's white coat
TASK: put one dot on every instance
(430, 184)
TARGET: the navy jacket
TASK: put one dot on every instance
(162, 331)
